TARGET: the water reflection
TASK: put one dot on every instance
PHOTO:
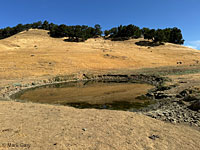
(99, 95)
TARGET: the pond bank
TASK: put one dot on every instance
(9, 90)
(168, 108)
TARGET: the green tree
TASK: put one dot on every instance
(98, 31)
(167, 33)
(113, 32)
(45, 25)
(19, 28)
(37, 25)
(145, 32)
(137, 32)
(148, 33)
(159, 36)
(27, 26)
(106, 32)
(176, 36)
(1, 34)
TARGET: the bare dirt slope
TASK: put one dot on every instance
(33, 55)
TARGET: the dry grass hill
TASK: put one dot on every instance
(32, 55)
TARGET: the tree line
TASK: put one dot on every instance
(80, 33)
(75, 33)
(8, 31)
(171, 35)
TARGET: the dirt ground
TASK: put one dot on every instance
(33, 55)
(49, 127)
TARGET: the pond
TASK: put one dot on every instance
(99, 95)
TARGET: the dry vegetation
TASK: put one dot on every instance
(34, 55)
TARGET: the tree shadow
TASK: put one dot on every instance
(148, 43)
(75, 40)
(120, 38)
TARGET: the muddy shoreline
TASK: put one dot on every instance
(169, 107)
(10, 90)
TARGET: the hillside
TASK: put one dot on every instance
(33, 55)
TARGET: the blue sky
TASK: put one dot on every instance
(183, 14)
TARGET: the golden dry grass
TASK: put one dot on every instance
(47, 127)
(34, 53)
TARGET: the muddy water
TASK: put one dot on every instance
(123, 96)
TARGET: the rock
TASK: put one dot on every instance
(195, 105)
(185, 92)
(150, 94)
(26, 85)
(179, 116)
(185, 115)
(174, 121)
(17, 84)
(190, 98)
(163, 88)
(84, 129)
(154, 137)
(178, 96)
(161, 95)
(160, 114)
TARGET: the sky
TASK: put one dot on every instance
(183, 14)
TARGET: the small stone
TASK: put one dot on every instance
(160, 114)
(5, 130)
(174, 121)
(17, 84)
(154, 137)
(84, 129)
(184, 115)
(195, 106)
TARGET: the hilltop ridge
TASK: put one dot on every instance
(80, 33)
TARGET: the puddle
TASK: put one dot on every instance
(99, 95)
